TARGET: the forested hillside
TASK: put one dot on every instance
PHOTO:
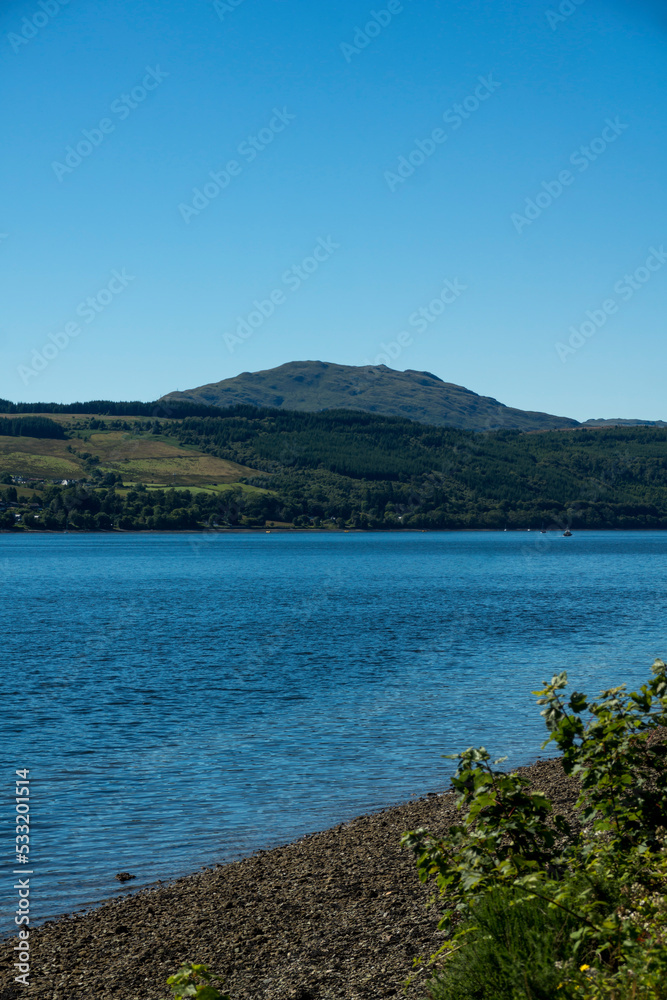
(377, 470)
(249, 466)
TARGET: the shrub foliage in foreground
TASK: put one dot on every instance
(194, 980)
(536, 910)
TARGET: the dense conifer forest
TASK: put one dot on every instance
(382, 471)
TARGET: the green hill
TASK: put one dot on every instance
(314, 386)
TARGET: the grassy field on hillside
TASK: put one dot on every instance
(143, 457)
(152, 459)
(37, 458)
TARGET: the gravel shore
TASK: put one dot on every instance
(338, 915)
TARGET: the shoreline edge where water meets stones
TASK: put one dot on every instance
(336, 915)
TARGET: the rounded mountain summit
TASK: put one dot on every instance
(313, 386)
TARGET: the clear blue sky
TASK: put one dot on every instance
(315, 116)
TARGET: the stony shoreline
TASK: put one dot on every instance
(337, 915)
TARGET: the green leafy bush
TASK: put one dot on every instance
(511, 864)
(194, 981)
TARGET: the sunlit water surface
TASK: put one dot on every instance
(181, 700)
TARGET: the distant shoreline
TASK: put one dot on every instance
(317, 531)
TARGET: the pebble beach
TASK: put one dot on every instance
(337, 915)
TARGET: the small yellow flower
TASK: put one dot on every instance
(582, 968)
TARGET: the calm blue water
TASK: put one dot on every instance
(183, 699)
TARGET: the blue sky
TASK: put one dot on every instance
(195, 189)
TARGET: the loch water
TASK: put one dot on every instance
(184, 699)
